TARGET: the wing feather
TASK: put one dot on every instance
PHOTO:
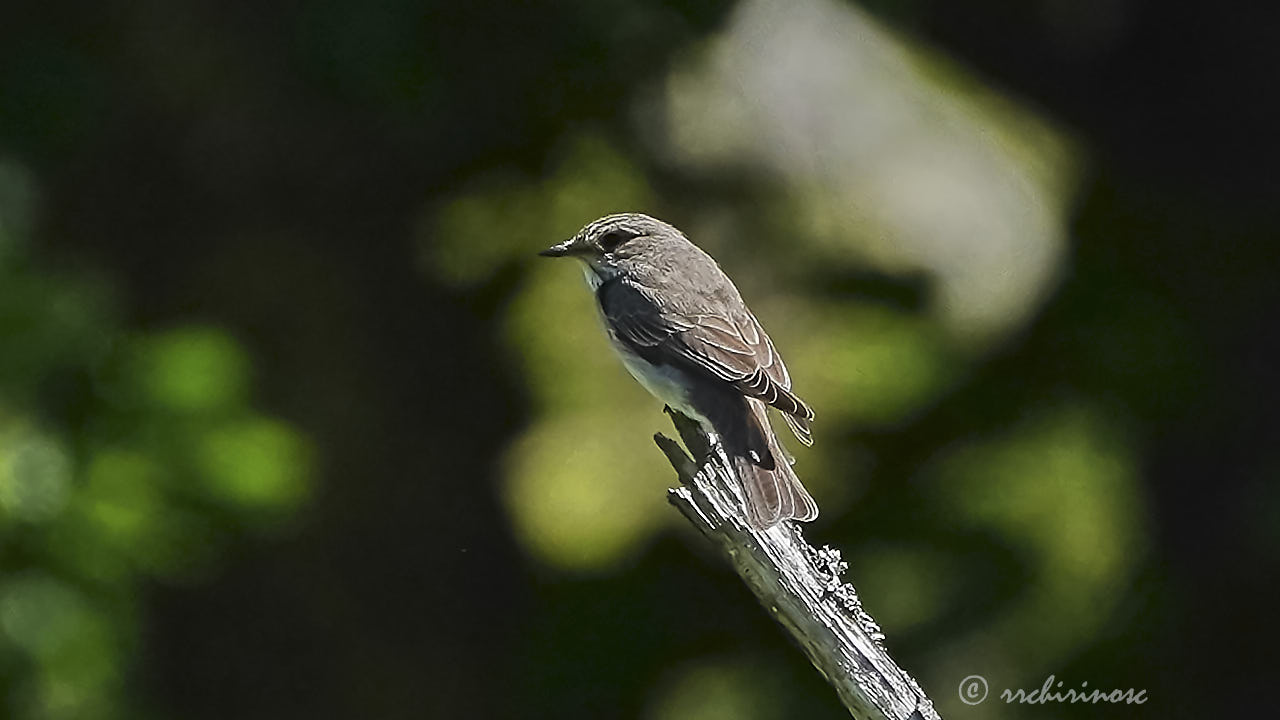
(735, 350)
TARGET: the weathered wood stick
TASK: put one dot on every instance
(800, 585)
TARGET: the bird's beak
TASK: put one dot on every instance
(563, 249)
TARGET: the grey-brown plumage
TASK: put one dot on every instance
(683, 331)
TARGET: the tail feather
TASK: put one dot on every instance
(799, 426)
(772, 494)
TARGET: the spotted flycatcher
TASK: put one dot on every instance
(683, 331)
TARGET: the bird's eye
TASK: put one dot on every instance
(612, 239)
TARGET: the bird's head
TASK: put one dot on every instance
(618, 244)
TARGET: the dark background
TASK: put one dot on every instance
(250, 180)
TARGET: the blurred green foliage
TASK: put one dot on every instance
(123, 457)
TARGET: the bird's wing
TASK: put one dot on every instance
(734, 349)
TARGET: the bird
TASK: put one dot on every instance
(683, 331)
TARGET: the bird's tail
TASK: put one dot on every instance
(774, 494)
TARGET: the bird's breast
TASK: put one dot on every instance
(667, 383)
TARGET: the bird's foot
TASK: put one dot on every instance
(715, 444)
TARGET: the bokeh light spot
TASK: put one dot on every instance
(505, 220)
(872, 364)
(1062, 486)
(193, 370)
(122, 497)
(576, 489)
(35, 475)
(256, 463)
(562, 346)
(718, 690)
(902, 586)
(38, 613)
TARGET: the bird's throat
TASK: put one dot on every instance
(597, 274)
